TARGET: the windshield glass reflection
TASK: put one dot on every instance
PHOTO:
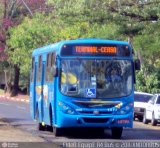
(96, 78)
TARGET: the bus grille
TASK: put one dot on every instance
(92, 113)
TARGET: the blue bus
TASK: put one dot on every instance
(83, 83)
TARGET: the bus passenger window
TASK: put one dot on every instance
(39, 73)
(32, 71)
(50, 67)
(47, 68)
(53, 64)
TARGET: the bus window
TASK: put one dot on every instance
(108, 78)
(69, 77)
(53, 64)
(47, 60)
(39, 73)
(50, 67)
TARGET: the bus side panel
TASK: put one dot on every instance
(32, 102)
(39, 101)
(54, 102)
(33, 94)
(39, 93)
(47, 102)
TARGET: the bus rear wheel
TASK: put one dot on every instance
(117, 132)
(41, 127)
(57, 131)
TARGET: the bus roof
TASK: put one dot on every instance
(56, 46)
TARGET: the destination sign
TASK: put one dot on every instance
(95, 50)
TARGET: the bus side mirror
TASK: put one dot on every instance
(137, 64)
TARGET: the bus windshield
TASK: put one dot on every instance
(96, 78)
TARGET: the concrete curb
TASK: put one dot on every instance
(14, 99)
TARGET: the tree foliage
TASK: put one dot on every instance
(148, 44)
(13, 12)
(55, 20)
(33, 33)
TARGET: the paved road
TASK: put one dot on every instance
(15, 112)
(17, 115)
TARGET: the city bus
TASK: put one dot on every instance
(83, 83)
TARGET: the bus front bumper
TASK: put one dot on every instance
(68, 120)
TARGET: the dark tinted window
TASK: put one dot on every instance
(142, 97)
(39, 73)
(50, 68)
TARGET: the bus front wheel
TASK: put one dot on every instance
(117, 132)
(57, 131)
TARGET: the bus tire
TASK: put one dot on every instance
(117, 132)
(57, 131)
(41, 127)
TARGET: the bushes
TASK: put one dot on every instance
(147, 81)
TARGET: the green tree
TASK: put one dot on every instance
(149, 46)
(112, 19)
(33, 33)
(30, 34)
(13, 12)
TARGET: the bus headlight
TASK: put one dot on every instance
(127, 107)
(65, 108)
(122, 112)
(125, 110)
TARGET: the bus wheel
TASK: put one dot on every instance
(117, 132)
(41, 127)
(49, 128)
(57, 131)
